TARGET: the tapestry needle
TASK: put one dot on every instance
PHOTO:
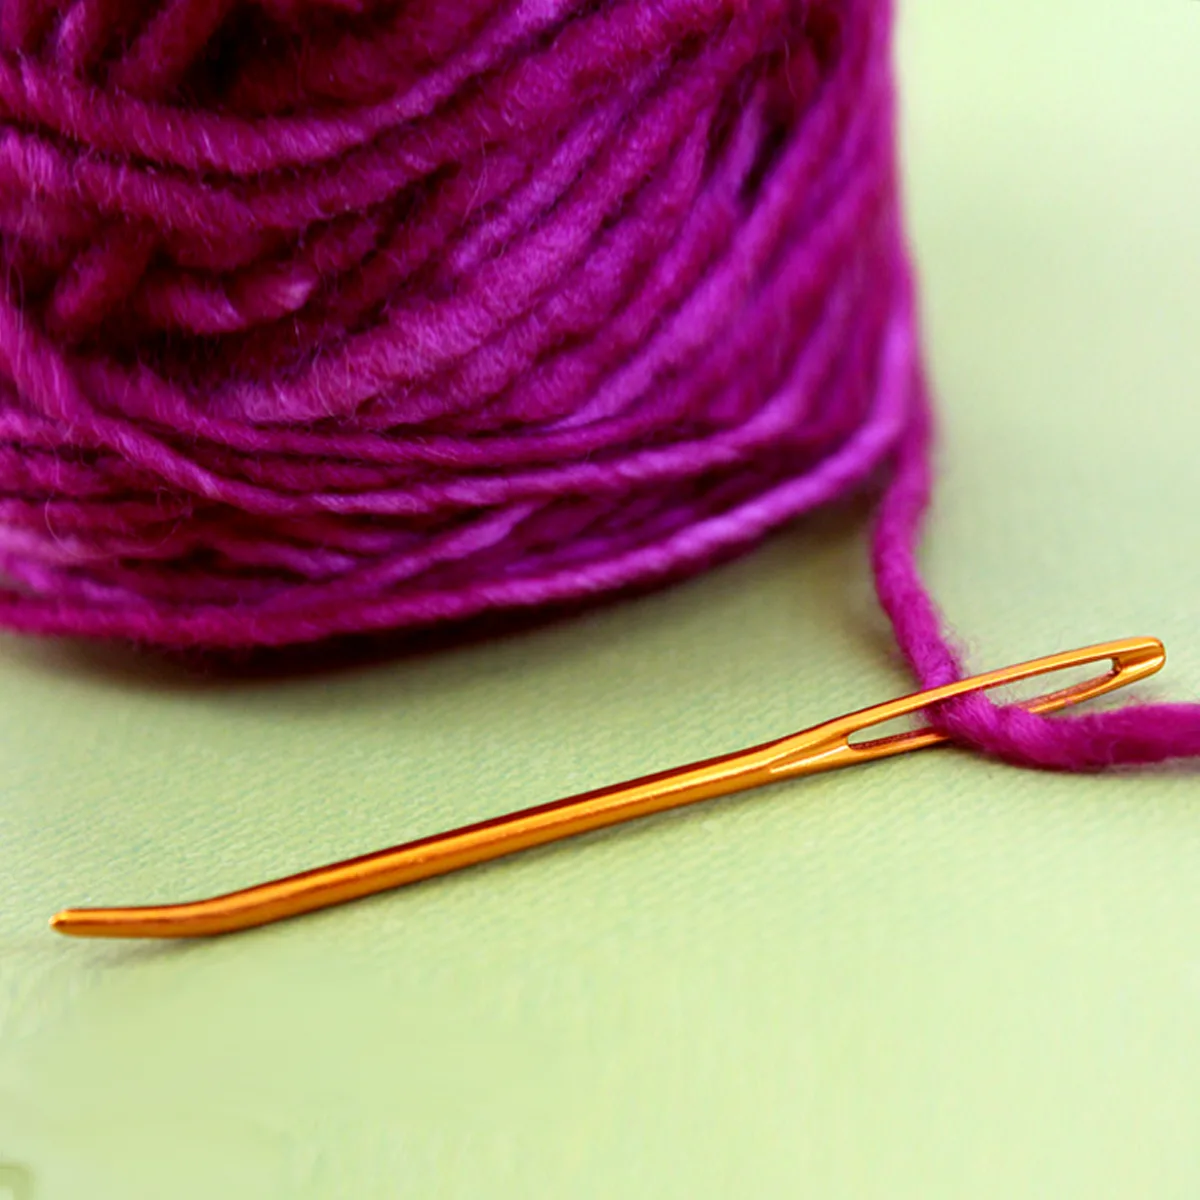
(821, 748)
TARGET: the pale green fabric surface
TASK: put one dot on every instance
(936, 977)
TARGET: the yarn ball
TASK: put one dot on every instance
(329, 316)
(325, 317)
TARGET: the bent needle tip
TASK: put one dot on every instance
(821, 748)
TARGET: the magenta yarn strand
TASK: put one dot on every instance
(1137, 734)
(338, 317)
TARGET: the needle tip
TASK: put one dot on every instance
(70, 921)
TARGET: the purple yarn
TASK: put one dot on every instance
(327, 317)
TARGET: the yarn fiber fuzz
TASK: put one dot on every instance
(334, 316)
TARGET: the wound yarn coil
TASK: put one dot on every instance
(327, 317)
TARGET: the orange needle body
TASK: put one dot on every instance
(822, 748)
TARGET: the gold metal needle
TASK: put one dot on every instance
(821, 748)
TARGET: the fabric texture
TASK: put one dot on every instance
(930, 978)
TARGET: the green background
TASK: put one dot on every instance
(934, 977)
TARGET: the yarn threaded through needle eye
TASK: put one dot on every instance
(328, 317)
